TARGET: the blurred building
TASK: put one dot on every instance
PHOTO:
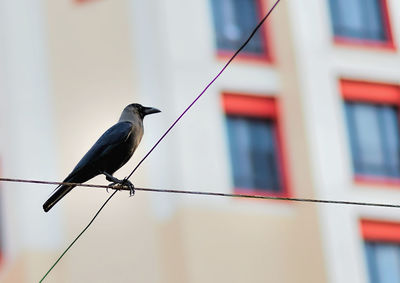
(309, 109)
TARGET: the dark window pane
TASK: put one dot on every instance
(360, 19)
(239, 139)
(374, 139)
(369, 140)
(390, 137)
(374, 17)
(383, 261)
(252, 144)
(233, 22)
(371, 261)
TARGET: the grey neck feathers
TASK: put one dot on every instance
(130, 116)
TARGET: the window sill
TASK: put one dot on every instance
(264, 59)
(382, 45)
(377, 181)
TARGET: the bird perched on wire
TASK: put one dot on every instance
(111, 151)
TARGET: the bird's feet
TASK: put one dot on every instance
(122, 183)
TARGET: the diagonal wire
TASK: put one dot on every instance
(177, 120)
(208, 85)
(216, 194)
(80, 234)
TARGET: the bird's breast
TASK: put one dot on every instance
(136, 136)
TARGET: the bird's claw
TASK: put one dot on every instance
(120, 183)
(123, 183)
(131, 187)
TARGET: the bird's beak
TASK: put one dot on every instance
(150, 110)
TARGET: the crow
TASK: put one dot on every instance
(111, 151)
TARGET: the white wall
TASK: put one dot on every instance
(27, 143)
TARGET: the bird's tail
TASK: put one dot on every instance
(58, 194)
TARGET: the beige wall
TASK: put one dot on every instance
(231, 244)
(93, 78)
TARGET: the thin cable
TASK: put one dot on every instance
(177, 120)
(80, 234)
(59, 183)
(205, 193)
(344, 202)
(205, 89)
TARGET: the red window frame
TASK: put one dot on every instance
(267, 56)
(388, 44)
(376, 93)
(256, 106)
(380, 231)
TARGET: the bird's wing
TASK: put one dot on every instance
(114, 136)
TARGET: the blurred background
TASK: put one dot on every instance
(309, 109)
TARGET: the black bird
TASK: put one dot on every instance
(111, 151)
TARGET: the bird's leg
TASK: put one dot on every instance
(123, 182)
(110, 178)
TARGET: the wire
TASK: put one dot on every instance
(80, 234)
(58, 183)
(208, 85)
(205, 193)
(177, 120)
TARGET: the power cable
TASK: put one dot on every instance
(208, 85)
(205, 193)
(173, 125)
(80, 234)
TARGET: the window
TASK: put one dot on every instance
(233, 22)
(253, 152)
(372, 114)
(382, 250)
(365, 20)
(254, 144)
(374, 136)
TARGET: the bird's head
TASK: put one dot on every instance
(135, 110)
